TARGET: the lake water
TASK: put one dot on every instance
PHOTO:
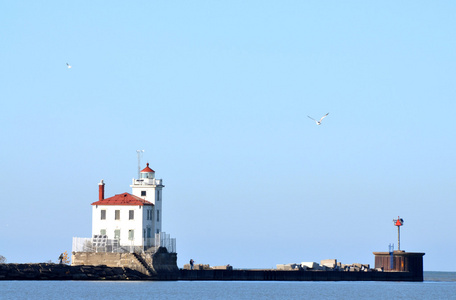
(437, 285)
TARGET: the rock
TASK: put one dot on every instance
(329, 263)
(65, 272)
(79, 276)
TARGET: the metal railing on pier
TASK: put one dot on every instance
(101, 243)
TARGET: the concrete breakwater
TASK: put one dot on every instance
(295, 275)
(64, 272)
(161, 265)
(44, 271)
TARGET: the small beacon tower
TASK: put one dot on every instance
(409, 263)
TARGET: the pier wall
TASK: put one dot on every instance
(160, 265)
(125, 260)
(101, 272)
(401, 261)
(297, 275)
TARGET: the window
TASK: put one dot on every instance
(117, 214)
(117, 234)
(131, 234)
(149, 214)
(148, 232)
(143, 193)
(131, 215)
(102, 231)
(103, 214)
(158, 215)
(158, 195)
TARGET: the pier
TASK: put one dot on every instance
(295, 275)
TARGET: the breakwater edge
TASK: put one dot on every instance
(45, 271)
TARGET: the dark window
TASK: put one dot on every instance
(117, 214)
(131, 214)
(103, 214)
(158, 215)
(143, 193)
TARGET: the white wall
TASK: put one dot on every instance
(138, 224)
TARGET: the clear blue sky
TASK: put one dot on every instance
(218, 93)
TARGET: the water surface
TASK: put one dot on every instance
(437, 285)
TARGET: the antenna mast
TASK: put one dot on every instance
(139, 152)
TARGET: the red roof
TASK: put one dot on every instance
(147, 169)
(123, 199)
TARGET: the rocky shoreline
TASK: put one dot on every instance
(46, 271)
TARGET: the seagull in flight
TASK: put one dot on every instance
(68, 65)
(319, 122)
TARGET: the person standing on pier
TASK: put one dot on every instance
(191, 264)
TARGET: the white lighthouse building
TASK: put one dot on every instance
(131, 219)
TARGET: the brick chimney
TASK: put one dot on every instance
(101, 190)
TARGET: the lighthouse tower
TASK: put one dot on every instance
(150, 189)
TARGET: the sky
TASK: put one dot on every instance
(217, 93)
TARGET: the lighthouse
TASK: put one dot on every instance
(130, 219)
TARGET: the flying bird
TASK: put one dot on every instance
(68, 65)
(319, 122)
